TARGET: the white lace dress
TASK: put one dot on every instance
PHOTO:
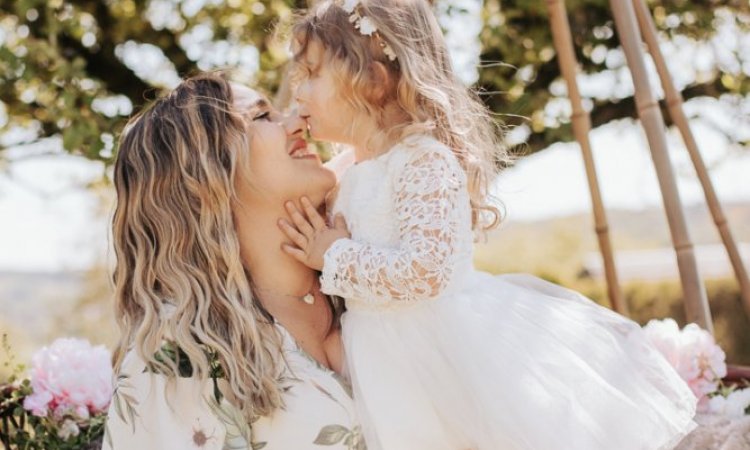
(442, 356)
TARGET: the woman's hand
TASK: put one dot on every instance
(311, 236)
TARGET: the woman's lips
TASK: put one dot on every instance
(299, 150)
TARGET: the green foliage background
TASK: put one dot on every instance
(59, 56)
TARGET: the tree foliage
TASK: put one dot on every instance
(528, 82)
(75, 69)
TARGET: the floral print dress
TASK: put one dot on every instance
(146, 413)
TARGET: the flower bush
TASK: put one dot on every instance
(63, 402)
(697, 358)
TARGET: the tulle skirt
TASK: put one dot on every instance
(509, 363)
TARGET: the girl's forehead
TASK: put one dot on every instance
(313, 53)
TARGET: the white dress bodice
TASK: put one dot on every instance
(409, 215)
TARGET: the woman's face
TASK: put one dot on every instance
(279, 166)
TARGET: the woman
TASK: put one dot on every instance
(226, 341)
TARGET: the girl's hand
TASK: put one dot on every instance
(311, 236)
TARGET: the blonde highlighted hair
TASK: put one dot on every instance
(179, 276)
(421, 86)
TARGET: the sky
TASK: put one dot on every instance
(50, 222)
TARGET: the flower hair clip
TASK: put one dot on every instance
(366, 26)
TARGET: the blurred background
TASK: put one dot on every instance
(72, 71)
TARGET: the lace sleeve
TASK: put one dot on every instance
(427, 192)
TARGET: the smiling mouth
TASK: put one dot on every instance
(299, 150)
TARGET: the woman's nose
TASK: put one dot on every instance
(293, 123)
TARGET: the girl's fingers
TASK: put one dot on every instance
(296, 253)
(313, 215)
(298, 238)
(299, 220)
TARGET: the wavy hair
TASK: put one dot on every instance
(178, 275)
(421, 83)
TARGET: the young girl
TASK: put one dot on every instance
(442, 356)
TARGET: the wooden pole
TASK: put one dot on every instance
(674, 103)
(581, 127)
(696, 303)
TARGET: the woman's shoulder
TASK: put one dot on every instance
(152, 410)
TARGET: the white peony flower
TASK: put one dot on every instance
(366, 26)
(732, 406)
(69, 428)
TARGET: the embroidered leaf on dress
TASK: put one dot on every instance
(334, 434)
(239, 433)
(120, 398)
(331, 435)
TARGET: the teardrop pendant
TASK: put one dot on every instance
(309, 299)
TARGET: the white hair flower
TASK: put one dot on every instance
(350, 5)
(366, 26)
(389, 52)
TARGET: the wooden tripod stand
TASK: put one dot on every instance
(634, 24)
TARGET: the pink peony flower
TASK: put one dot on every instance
(70, 377)
(37, 403)
(665, 336)
(693, 353)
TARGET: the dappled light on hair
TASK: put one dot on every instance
(179, 275)
(421, 86)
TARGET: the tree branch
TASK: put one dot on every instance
(604, 113)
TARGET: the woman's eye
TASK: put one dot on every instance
(263, 116)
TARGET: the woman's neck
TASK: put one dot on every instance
(281, 282)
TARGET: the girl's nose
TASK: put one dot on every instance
(300, 93)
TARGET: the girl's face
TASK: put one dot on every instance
(279, 166)
(329, 117)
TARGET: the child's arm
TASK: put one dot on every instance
(428, 192)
